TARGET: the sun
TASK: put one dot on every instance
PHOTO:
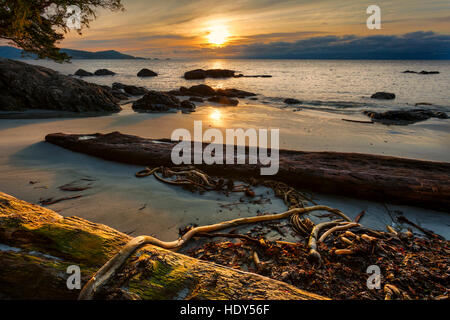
(218, 35)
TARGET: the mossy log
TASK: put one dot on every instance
(373, 177)
(37, 245)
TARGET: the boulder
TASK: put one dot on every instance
(235, 93)
(383, 96)
(292, 101)
(404, 117)
(196, 99)
(131, 90)
(201, 90)
(155, 101)
(104, 72)
(211, 73)
(429, 72)
(24, 86)
(224, 100)
(195, 74)
(83, 73)
(187, 105)
(146, 73)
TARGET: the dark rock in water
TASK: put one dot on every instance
(83, 73)
(429, 72)
(219, 73)
(186, 104)
(421, 72)
(292, 101)
(403, 117)
(383, 96)
(254, 98)
(196, 99)
(234, 93)
(195, 74)
(24, 86)
(146, 73)
(131, 90)
(155, 101)
(212, 73)
(104, 72)
(201, 90)
(224, 100)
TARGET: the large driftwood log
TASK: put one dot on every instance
(373, 177)
(37, 245)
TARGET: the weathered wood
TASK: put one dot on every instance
(37, 245)
(380, 178)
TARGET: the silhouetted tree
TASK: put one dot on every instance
(37, 26)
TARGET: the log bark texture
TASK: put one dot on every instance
(37, 245)
(373, 177)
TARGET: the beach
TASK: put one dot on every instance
(145, 206)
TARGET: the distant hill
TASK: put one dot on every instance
(14, 53)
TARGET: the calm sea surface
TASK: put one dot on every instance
(326, 85)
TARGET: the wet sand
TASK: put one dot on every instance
(145, 206)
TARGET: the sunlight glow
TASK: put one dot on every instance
(218, 35)
(216, 115)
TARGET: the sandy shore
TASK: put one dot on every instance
(145, 206)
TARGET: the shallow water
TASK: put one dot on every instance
(342, 86)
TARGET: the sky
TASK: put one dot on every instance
(270, 29)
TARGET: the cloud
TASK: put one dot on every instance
(416, 45)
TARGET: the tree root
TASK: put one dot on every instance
(108, 270)
(338, 228)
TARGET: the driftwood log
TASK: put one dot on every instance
(37, 246)
(373, 177)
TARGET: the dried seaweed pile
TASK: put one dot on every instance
(332, 258)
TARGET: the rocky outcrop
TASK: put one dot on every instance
(373, 177)
(224, 100)
(404, 117)
(38, 246)
(292, 101)
(187, 105)
(383, 96)
(199, 74)
(422, 72)
(104, 72)
(203, 90)
(155, 101)
(24, 86)
(234, 93)
(83, 73)
(196, 99)
(147, 73)
(131, 90)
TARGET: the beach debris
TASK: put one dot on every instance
(360, 216)
(75, 186)
(358, 121)
(428, 233)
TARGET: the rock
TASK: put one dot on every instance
(235, 93)
(146, 73)
(423, 104)
(421, 72)
(219, 73)
(383, 96)
(224, 100)
(131, 90)
(292, 101)
(195, 74)
(83, 73)
(196, 99)
(155, 101)
(24, 86)
(403, 117)
(429, 72)
(188, 105)
(211, 73)
(201, 90)
(104, 72)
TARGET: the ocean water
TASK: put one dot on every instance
(337, 86)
